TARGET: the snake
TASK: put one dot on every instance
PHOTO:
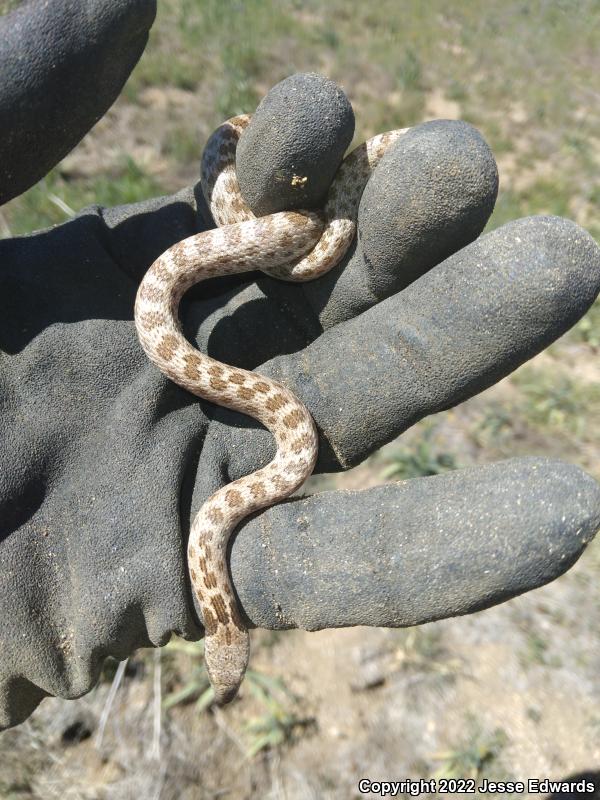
(289, 245)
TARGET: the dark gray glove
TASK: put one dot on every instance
(62, 65)
(104, 460)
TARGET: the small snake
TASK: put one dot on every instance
(293, 246)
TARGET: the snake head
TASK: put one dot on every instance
(226, 660)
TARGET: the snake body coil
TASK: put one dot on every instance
(294, 246)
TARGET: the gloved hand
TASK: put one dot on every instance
(104, 461)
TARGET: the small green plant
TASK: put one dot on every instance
(242, 66)
(197, 688)
(329, 38)
(277, 725)
(472, 757)
(536, 652)
(457, 91)
(237, 96)
(509, 206)
(547, 196)
(410, 72)
(8, 5)
(56, 198)
(183, 145)
(588, 329)
(553, 399)
(423, 649)
(536, 647)
(594, 724)
(497, 421)
(420, 460)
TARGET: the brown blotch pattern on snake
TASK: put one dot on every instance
(233, 498)
(215, 514)
(210, 580)
(258, 489)
(218, 604)
(150, 293)
(218, 384)
(293, 419)
(160, 271)
(167, 347)
(276, 402)
(153, 319)
(210, 621)
(245, 392)
(299, 444)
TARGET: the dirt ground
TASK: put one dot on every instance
(509, 693)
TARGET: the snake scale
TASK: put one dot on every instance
(293, 246)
